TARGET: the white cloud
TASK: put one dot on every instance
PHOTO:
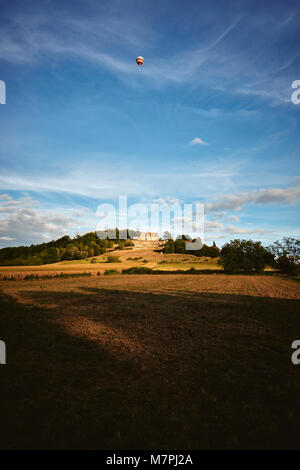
(258, 196)
(198, 141)
(236, 230)
(295, 180)
(212, 226)
(170, 200)
(27, 223)
(234, 218)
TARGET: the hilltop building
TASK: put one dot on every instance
(153, 236)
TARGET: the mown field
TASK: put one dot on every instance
(150, 361)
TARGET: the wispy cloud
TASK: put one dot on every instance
(230, 229)
(169, 200)
(259, 196)
(107, 40)
(213, 226)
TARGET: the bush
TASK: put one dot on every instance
(31, 277)
(94, 260)
(99, 250)
(108, 272)
(192, 271)
(243, 256)
(113, 259)
(169, 246)
(137, 270)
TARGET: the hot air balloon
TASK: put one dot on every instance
(140, 60)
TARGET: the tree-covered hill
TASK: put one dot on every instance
(86, 246)
(65, 248)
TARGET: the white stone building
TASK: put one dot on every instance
(147, 236)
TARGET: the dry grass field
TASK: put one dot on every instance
(150, 361)
(142, 254)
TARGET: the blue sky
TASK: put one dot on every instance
(207, 118)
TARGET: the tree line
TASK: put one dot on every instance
(65, 248)
(246, 256)
(236, 256)
(179, 246)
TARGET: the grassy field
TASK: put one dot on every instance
(146, 254)
(151, 361)
(127, 259)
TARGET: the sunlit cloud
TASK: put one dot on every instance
(198, 141)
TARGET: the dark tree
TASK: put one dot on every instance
(243, 256)
(52, 256)
(170, 246)
(286, 255)
(179, 246)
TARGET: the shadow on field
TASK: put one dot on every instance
(126, 370)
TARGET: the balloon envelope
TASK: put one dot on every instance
(140, 60)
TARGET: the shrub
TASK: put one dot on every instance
(31, 277)
(137, 270)
(94, 260)
(192, 271)
(169, 246)
(113, 259)
(108, 272)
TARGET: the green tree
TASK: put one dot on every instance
(52, 255)
(72, 252)
(170, 246)
(213, 251)
(179, 246)
(243, 256)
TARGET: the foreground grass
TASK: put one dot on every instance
(124, 362)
